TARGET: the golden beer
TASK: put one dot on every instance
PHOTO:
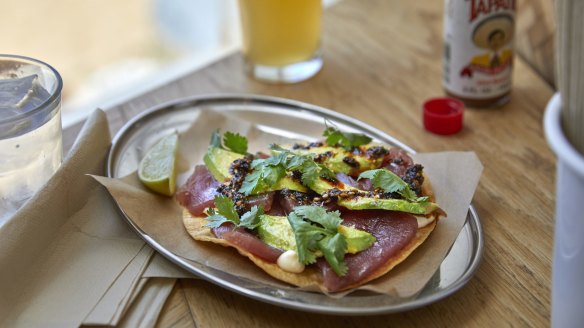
(281, 34)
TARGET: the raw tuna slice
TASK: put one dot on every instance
(397, 161)
(363, 184)
(347, 180)
(264, 201)
(393, 231)
(247, 241)
(198, 192)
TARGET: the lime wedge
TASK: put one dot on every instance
(157, 170)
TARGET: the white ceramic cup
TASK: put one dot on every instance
(568, 258)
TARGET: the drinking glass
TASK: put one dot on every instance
(30, 129)
(281, 39)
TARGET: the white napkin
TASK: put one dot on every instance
(67, 257)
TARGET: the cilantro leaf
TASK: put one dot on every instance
(309, 174)
(328, 220)
(214, 220)
(277, 148)
(390, 182)
(422, 199)
(252, 182)
(357, 139)
(279, 159)
(231, 141)
(408, 194)
(273, 174)
(315, 229)
(226, 208)
(306, 237)
(309, 169)
(235, 142)
(225, 212)
(326, 172)
(384, 179)
(334, 249)
(333, 136)
(266, 173)
(347, 140)
(251, 219)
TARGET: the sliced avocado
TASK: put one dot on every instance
(357, 240)
(366, 203)
(321, 185)
(277, 232)
(289, 183)
(218, 162)
(340, 160)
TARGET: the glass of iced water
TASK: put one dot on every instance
(30, 129)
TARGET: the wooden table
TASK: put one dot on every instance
(382, 60)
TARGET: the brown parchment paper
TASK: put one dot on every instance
(454, 177)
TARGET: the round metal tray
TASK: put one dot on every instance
(274, 115)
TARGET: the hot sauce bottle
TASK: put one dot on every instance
(478, 51)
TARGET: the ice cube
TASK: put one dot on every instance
(21, 94)
(14, 91)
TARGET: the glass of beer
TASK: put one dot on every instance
(30, 129)
(281, 39)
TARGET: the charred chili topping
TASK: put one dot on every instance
(351, 161)
(295, 175)
(376, 152)
(238, 198)
(414, 178)
(315, 144)
(386, 195)
(332, 195)
(332, 180)
(300, 198)
(238, 170)
(347, 140)
(322, 157)
(335, 194)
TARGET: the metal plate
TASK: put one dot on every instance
(273, 115)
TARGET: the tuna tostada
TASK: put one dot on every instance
(336, 213)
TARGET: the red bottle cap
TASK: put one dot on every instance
(443, 115)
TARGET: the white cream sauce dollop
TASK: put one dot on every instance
(289, 262)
